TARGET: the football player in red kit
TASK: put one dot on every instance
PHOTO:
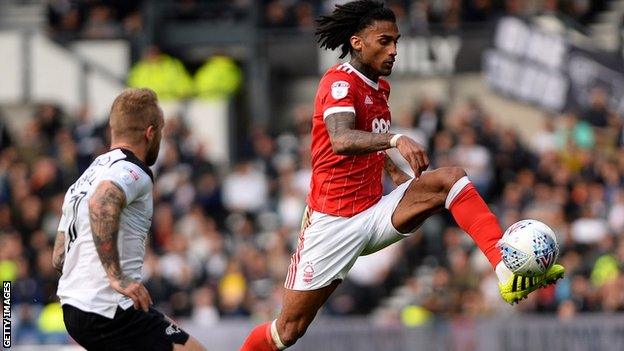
(347, 216)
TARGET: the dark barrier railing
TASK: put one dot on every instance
(601, 332)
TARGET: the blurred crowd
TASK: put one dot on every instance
(72, 19)
(423, 16)
(222, 236)
(93, 19)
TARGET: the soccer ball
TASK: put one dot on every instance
(529, 248)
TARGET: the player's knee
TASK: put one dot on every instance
(292, 331)
(449, 176)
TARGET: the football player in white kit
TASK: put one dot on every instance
(100, 244)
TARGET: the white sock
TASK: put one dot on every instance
(275, 336)
(502, 272)
(455, 190)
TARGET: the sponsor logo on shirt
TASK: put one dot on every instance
(380, 125)
(129, 175)
(368, 100)
(339, 89)
(134, 174)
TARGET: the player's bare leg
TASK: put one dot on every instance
(424, 197)
(448, 187)
(191, 345)
(298, 311)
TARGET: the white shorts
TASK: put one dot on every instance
(329, 245)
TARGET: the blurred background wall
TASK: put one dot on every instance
(525, 95)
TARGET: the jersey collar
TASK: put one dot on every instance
(131, 157)
(374, 85)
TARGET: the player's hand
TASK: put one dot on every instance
(134, 290)
(414, 154)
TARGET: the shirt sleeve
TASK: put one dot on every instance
(62, 227)
(130, 178)
(337, 94)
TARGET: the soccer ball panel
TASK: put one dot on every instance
(529, 248)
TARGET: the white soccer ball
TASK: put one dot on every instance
(529, 248)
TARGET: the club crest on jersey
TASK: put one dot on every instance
(308, 272)
(339, 89)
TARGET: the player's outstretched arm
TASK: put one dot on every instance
(346, 140)
(58, 254)
(105, 207)
(398, 176)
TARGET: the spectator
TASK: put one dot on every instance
(304, 16)
(101, 24)
(475, 159)
(545, 140)
(477, 10)
(218, 78)
(277, 15)
(162, 73)
(64, 19)
(428, 119)
(589, 229)
(598, 114)
(245, 189)
(571, 132)
(5, 135)
(205, 313)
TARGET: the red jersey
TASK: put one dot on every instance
(345, 185)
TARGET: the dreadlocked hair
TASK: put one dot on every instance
(335, 30)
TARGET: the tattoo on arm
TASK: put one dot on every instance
(348, 141)
(105, 208)
(396, 173)
(58, 254)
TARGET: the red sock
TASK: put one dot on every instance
(259, 339)
(473, 216)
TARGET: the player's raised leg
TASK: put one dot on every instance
(298, 311)
(450, 188)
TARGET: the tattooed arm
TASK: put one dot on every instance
(398, 176)
(346, 140)
(349, 141)
(58, 254)
(105, 207)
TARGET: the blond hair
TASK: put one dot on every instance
(132, 112)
